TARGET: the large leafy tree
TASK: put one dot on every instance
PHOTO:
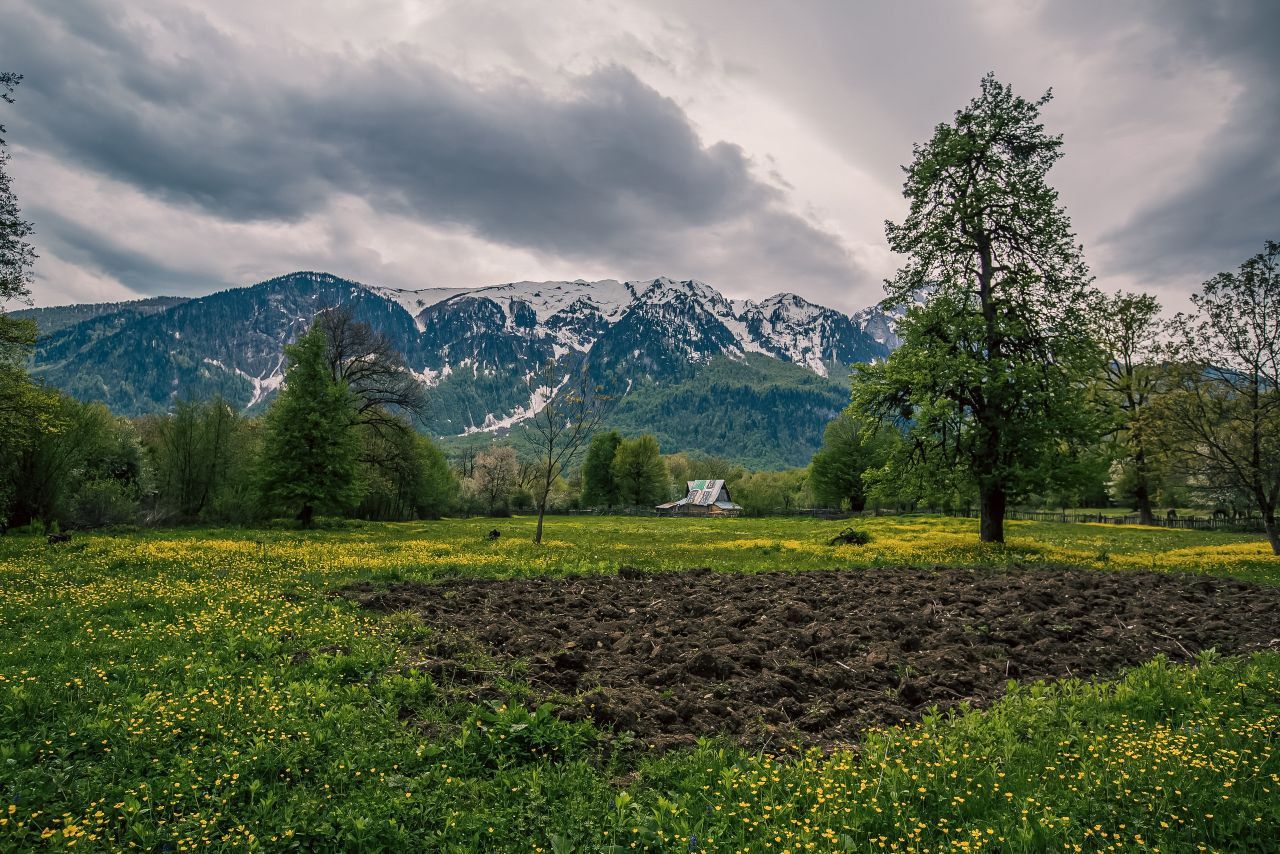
(598, 488)
(16, 254)
(26, 410)
(1129, 329)
(410, 478)
(309, 459)
(1221, 414)
(196, 451)
(992, 372)
(86, 445)
(639, 473)
(850, 449)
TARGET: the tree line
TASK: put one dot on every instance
(1016, 377)
(321, 448)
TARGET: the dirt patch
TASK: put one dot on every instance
(817, 656)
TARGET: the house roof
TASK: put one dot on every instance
(705, 493)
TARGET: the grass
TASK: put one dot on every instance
(200, 688)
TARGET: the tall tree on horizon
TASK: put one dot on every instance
(1130, 329)
(993, 365)
(26, 409)
(17, 255)
(639, 472)
(598, 487)
(310, 448)
(1221, 413)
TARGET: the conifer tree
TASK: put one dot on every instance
(309, 459)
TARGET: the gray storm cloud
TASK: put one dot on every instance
(599, 168)
(1229, 201)
(610, 170)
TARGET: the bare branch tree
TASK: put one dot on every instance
(1222, 412)
(373, 369)
(574, 408)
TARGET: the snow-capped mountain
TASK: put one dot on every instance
(478, 349)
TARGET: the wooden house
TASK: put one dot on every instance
(705, 498)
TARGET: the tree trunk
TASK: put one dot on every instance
(306, 515)
(1142, 491)
(1273, 531)
(991, 528)
(537, 535)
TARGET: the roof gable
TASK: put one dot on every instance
(706, 492)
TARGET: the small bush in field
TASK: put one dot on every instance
(851, 537)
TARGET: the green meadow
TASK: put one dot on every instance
(204, 688)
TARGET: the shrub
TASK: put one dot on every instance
(850, 537)
(103, 502)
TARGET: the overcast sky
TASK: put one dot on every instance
(179, 147)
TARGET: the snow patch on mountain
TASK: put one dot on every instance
(606, 297)
(262, 386)
(414, 301)
(538, 400)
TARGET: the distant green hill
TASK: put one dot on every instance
(761, 412)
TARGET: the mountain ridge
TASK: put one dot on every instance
(476, 349)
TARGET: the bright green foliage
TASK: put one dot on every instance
(202, 455)
(1082, 480)
(16, 254)
(598, 488)
(309, 452)
(990, 379)
(409, 478)
(763, 493)
(83, 447)
(25, 409)
(1129, 328)
(851, 447)
(639, 473)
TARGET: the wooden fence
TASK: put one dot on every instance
(1207, 523)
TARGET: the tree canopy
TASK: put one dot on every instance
(1221, 413)
(851, 447)
(310, 449)
(639, 473)
(1129, 330)
(996, 348)
(598, 486)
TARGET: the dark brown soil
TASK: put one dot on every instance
(817, 656)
